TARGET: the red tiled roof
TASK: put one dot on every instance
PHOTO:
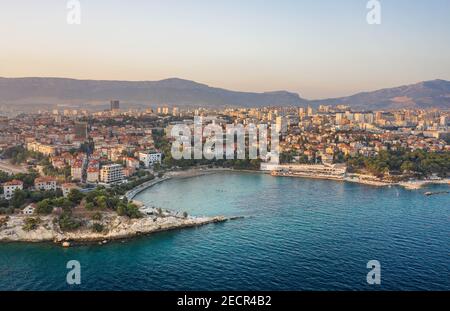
(44, 179)
(14, 182)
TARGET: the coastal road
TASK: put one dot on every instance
(11, 169)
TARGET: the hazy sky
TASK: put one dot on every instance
(320, 48)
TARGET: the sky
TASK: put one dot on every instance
(319, 49)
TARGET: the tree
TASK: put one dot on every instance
(130, 210)
(44, 207)
(90, 206)
(407, 167)
(31, 224)
(18, 198)
(97, 227)
(4, 203)
(100, 202)
(67, 223)
(97, 216)
(36, 196)
(75, 196)
(27, 179)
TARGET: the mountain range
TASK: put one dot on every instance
(179, 92)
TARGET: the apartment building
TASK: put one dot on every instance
(45, 183)
(111, 173)
(93, 175)
(77, 171)
(10, 187)
(150, 158)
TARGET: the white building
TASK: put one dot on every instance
(281, 125)
(111, 173)
(10, 187)
(45, 183)
(150, 158)
(328, 171)
(29, 210)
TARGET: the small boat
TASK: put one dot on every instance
(434, 193)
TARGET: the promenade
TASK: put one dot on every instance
(135, 191)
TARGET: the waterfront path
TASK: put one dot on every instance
(135, 191)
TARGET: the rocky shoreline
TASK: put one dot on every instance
(116, 228)
(154, 220)
(371, 181)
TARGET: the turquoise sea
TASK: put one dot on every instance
(296, 234)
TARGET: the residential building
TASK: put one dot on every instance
(150, 158)
(42, 148)
(10, 187)
(111, 173)
(132, 163)
(77, 171)
(29, 210)
(281, 125)
(45, 183)
(93, 175)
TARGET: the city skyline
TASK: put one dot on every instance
(318, 50)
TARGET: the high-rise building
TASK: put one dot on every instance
(115, 105)
(340, 117)
(281, 125)
(81, 130)
(175, 111)
(301, 112)
(378, 116)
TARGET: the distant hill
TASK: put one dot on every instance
(426, 94)
(180, 92)
(171, 91)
